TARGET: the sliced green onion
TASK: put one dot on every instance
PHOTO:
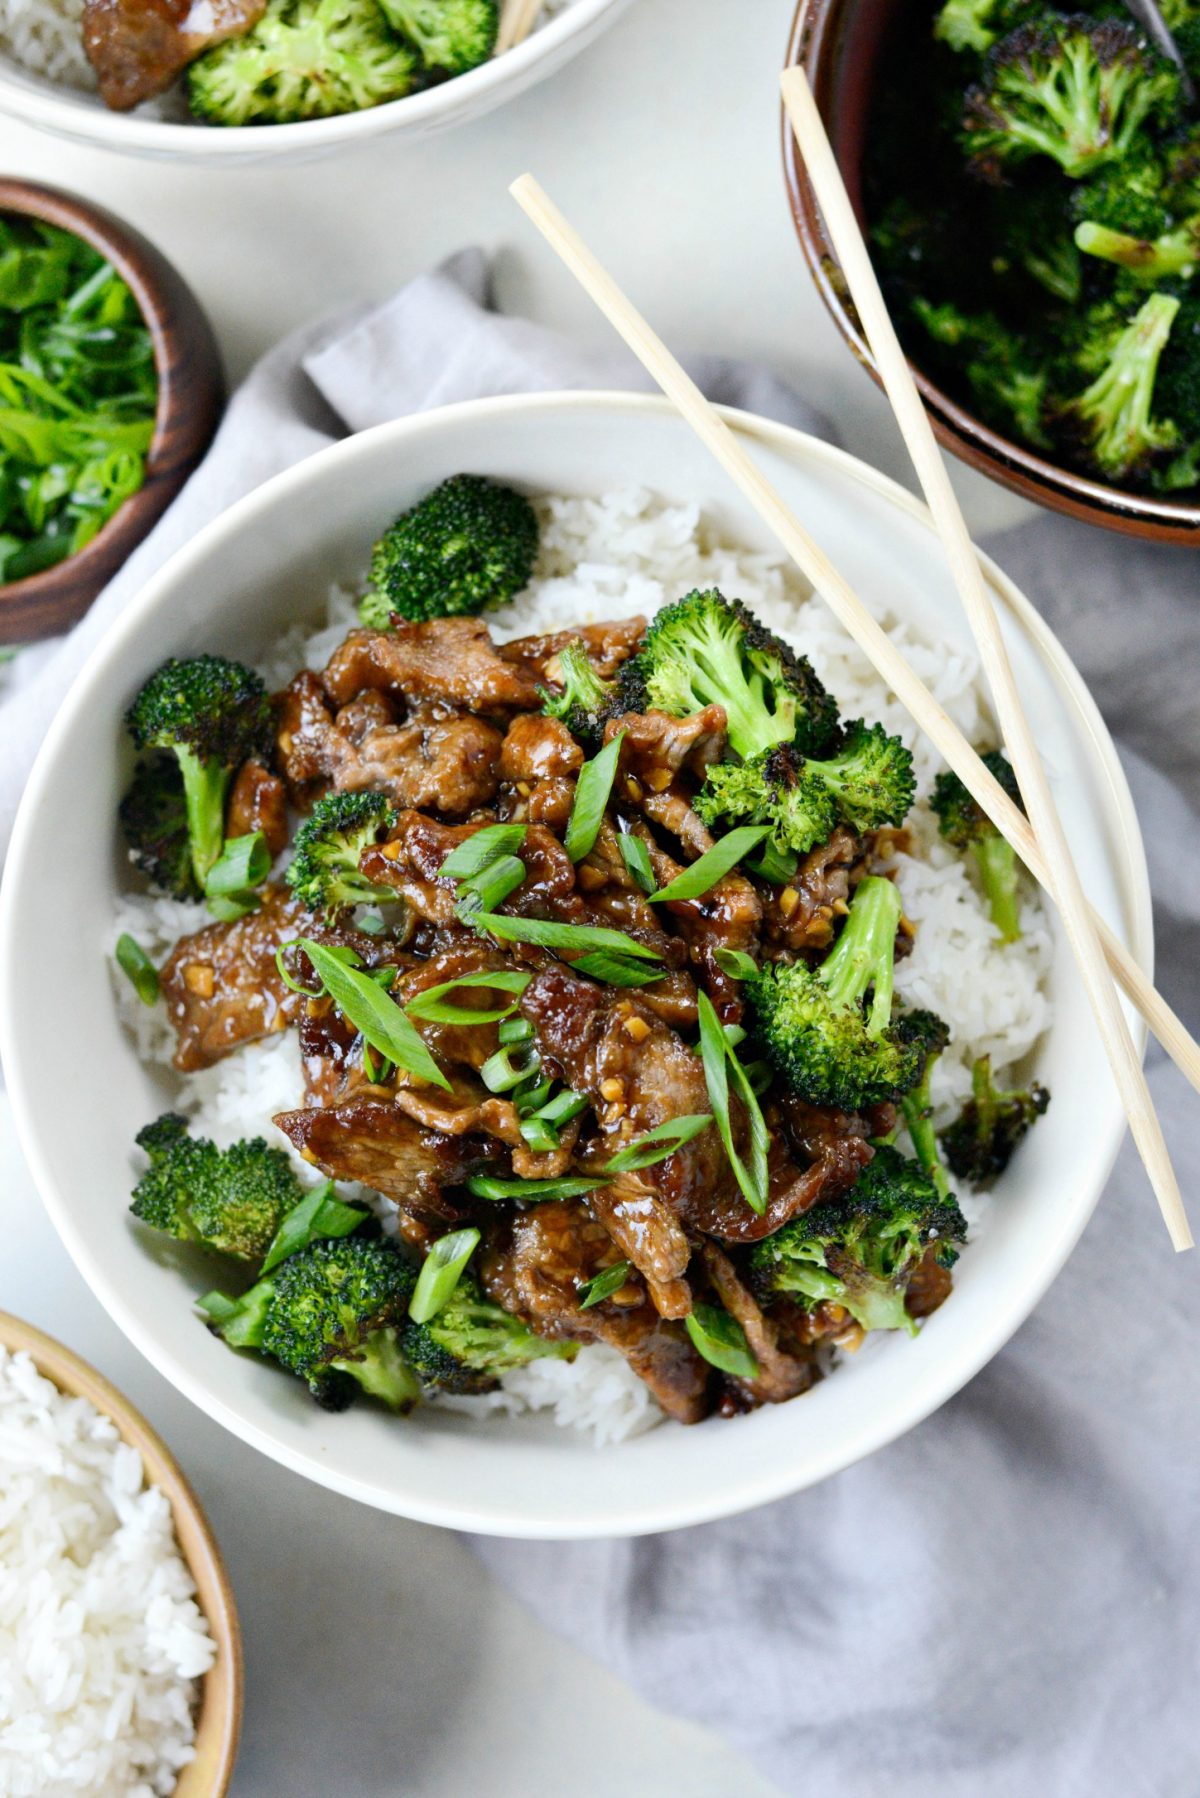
(736, 963)
(548, 935)
(440, 1273)
(775, 864)
(603, 1285)
(319, 1214)
(242, 865)
(713, 865)
(540, 1136)
(370, 922)
(564, 1107)
(429, 1006)
(136, 965)
(532, 1098)
(500, 1073)
(227, 908)
(734, 1034)
(592, 788)
(485, 1186)
(616, 970)
(380, 1020)
(294, 986)
(637, 859)
(719, 1061)
(515, 1030)
(492, 885)
(658, 1143)
(376, 1072)
(722, 1341)
(475, 852)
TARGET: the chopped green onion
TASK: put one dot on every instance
(371, 923)
(637, 859)
(429, 1007)
(540, 1136)
(616, 970)
(736, 963)
(775, 864)
(532, 1098)
(475, 852)
(136, 965)
(486, 1186)
(380, 1020)
(592, 788)
(319, 1214)
(548, 935)
(603, 1285)
(293, 985)
(734, 1034)
(658, 1143)
(242, 865)
(376, 1073)
(722, 1341)
(440, 1273)
(515, 1030)
(719, 1059)
(500, 1073)
(713, 865)
(564, 1106)
(491, 886)
(227, 908)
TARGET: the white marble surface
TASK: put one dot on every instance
(380, 1663)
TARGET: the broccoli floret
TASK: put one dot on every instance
(1008, 386)
(323, 872)
(471, 1341)
(974, 25)
(1177, 389)
(465, 548)
(451, 35)
(931, 1035)
(709, 650)
(1074, 88)
(153, 816)
(212, 713)
(813, 1025)
(979, 1144)
(966, 825)
(337, 1309)
(230, 1199)
(862, 1250)
(304, 59)
(868, 782)
(1112, 422)
(1171, 256)
(1127, 197)
(587, 702)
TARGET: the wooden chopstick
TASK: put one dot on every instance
(858, 622)
(1065, 885)
(517, 19)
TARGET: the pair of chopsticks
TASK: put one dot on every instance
(517, 18)
(1039, 838)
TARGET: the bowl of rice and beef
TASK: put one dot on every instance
(554, 1001)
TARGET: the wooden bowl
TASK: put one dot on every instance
(843, 46)
(219, 1720)
(191, 397)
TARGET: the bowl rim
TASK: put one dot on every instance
(811, 43)
(70, 112)
(1130, 875)
(219, 1715)
(188, 405)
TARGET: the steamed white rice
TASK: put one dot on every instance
(607, 558)
(101, 1640)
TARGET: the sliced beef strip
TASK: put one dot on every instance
(258, 801)
(469, 1109)
(410, 863)
(139, 47)
(929, 1287)
(537, 748)
(804, 913)
(607, 646)
(369, 1139)
(452, 660)
(534, 1266)
(657, 754)
(780, 1375)
(651, 1237)
(308, 749)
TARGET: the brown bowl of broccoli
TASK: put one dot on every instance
(1029, 181)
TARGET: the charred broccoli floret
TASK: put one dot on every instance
(1170, 256)
(708, 650)
(979, 1143)
(1008, 385)
(1128, 196)
(931, 1035)
(1113, 421)
(974, 25)
(230, 1199)
(451, 35)
(212, 714)
(154, 819)
(1074, 88)
(304, 59)
(868, 782)
(862, 1250)
(471, 1341)
(586, 701)
(323, 872)
(814, 1025)
(966, 826)
(466, 547)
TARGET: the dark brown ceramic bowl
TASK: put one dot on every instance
(842, 45)
(191, 395)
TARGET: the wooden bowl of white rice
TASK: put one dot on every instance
(120, 1652)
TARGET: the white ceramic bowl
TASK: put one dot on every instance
(83, 117)
(79, 1093)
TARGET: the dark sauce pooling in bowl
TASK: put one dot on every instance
(1091, 360)
(78, 392)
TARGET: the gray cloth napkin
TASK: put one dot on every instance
(1005, 1601)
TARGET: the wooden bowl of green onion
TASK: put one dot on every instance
(110, 392)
